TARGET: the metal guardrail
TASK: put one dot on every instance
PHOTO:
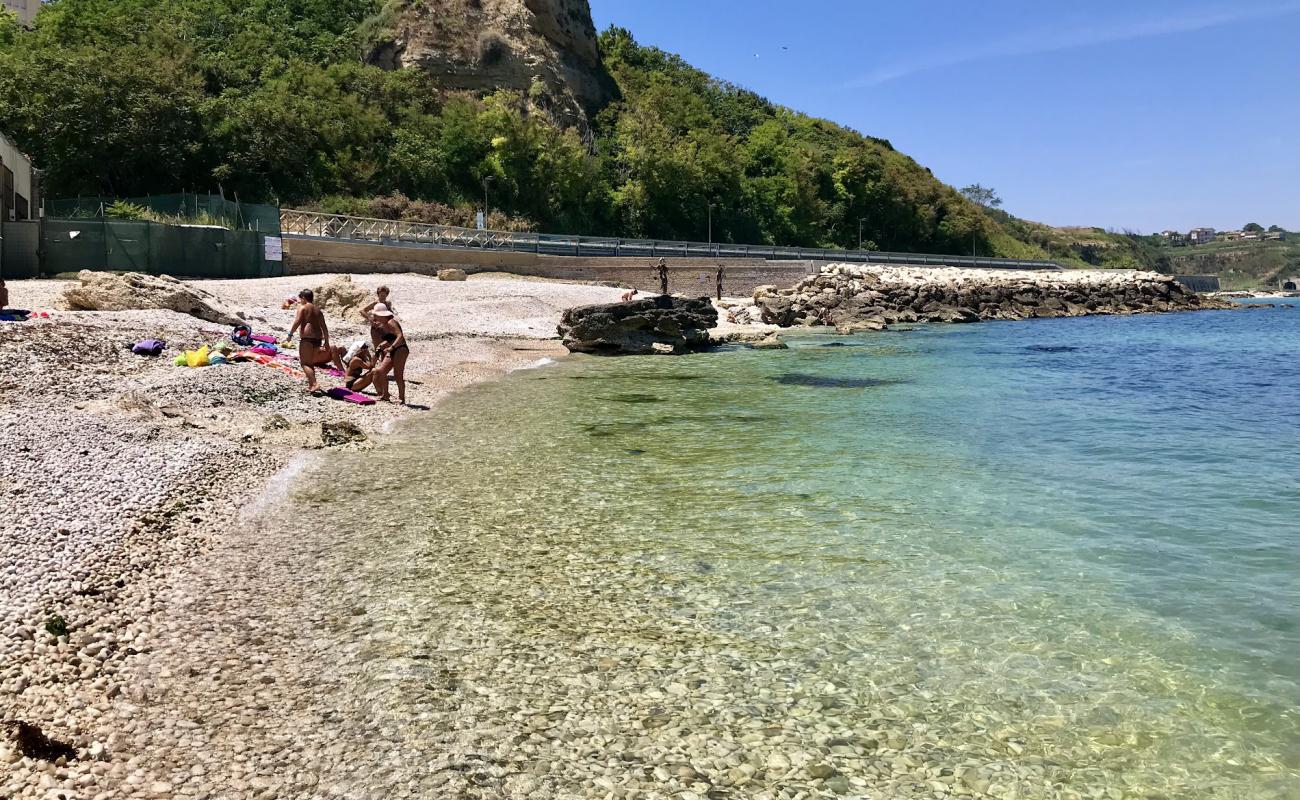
(338, 226)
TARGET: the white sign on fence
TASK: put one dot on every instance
(274, 248)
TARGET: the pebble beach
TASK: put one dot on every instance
(589, 581)
(122, 473)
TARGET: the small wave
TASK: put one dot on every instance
(278, 487)
(538, 364)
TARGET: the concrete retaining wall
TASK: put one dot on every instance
(689, 276)
(1199, 283)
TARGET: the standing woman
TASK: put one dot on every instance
(392, 353)
(376, 329)
(314, 347)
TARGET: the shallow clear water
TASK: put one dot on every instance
(1064, 554)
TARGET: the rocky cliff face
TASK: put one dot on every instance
(544, 48)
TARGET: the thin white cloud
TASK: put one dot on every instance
(1055, 40)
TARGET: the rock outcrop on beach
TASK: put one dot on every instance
(340, 296)
(107, 291)
(654, 325)
(857, 298)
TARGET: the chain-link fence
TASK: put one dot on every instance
(183, 251)
(202, 208)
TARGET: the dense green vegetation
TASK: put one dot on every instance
(270, 100)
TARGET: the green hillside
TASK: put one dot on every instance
(270, 100)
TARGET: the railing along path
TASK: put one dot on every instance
(396, 232)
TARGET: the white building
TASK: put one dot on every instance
(18, 185)
(25, 9)
(1201, 235)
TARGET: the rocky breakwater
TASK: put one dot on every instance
(854, 297)
(661, 325)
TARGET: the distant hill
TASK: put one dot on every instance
(416, 108)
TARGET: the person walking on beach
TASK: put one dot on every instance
(719, 283)
(663, 276)
(314, 345)
(391, 355)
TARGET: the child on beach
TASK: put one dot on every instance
(314, 347)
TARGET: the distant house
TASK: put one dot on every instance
(1275, 236)
(1201, 236)
(25, 9)
(1174, 238)
(1233, 236)
(18, 184)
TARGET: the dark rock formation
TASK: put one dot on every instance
(866, 298)
(545, 49)
(653, 325)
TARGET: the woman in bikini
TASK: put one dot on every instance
(392, 353)
(314, 346)
(360, 366)
(376, 327)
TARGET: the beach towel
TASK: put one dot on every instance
(351, 397)
(149, 347)
(265, 338)
(197, 358)
(263, 350)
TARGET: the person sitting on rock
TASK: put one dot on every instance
(314, 347)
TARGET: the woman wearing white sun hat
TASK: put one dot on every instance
(392, 353)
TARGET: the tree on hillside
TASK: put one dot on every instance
(982, 195)
(1276, 229)
(1253, 227)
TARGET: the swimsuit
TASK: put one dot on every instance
(311, 340)
(389, 338)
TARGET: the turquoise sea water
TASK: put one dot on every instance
(1057, 558)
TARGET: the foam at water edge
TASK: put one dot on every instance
(277, 488)
(538, 364)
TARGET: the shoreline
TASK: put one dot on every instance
(125, 473)
(132, 688)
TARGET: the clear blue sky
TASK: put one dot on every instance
(1139, 115)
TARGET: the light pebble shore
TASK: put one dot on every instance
(124, 477)
(215, 651)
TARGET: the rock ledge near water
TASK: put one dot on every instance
(856, 298)
(661, 325)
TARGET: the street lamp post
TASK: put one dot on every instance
(860, 224)
(711, 205)
(487, 181)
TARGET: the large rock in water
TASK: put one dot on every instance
(653, 325)
(108, 291)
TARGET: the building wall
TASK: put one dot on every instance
(13, 159)
(25, 9)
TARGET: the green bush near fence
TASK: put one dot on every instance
(203, 209)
